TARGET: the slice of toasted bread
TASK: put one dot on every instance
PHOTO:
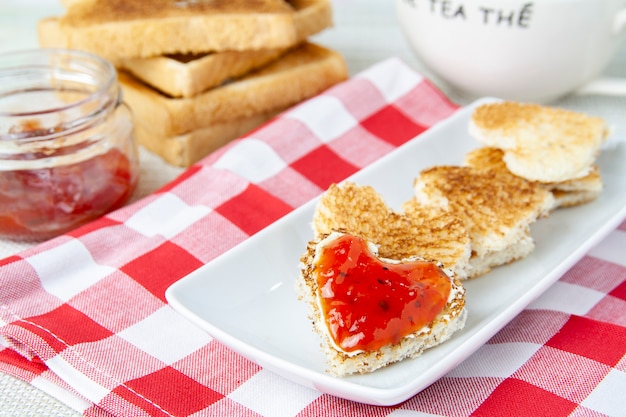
(341, 362)
(189, 75)
(188, 148)
(566, 193)
(70, 3)
(311, 16)
(497, 210)
(298, 75)
(50, 35)
(576, 198)
(531, 135)
(186, 75)
(119, 29)
(425, 231)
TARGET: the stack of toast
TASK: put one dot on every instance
(468, 218)
(199, 73)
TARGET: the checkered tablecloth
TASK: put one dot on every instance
(84, 318)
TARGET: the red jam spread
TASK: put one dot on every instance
(369, 303)
(41, 203)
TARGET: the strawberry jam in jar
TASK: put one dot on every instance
(67, 150)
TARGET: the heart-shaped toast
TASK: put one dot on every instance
(417, 230)
(370, 311)
(540, 143)
(567, 193)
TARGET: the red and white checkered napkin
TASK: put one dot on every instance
(84, 316)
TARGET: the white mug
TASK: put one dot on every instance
(520, 50)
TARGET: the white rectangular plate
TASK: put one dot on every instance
(246, 298)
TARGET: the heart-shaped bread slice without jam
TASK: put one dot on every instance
(540, 143)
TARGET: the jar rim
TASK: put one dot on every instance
(48, 58)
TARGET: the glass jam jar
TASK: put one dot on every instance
(67, 150)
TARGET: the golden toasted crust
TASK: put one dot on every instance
(311, 16)
(495, 208)
(487, 157)
(508, 117)
(428, 232)
(107, 11)
(187, 75)
(318, 10)
(121, 29)
(566, 193)
(71, 3)
(188, 148)
(531, 135)
(298, 75)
